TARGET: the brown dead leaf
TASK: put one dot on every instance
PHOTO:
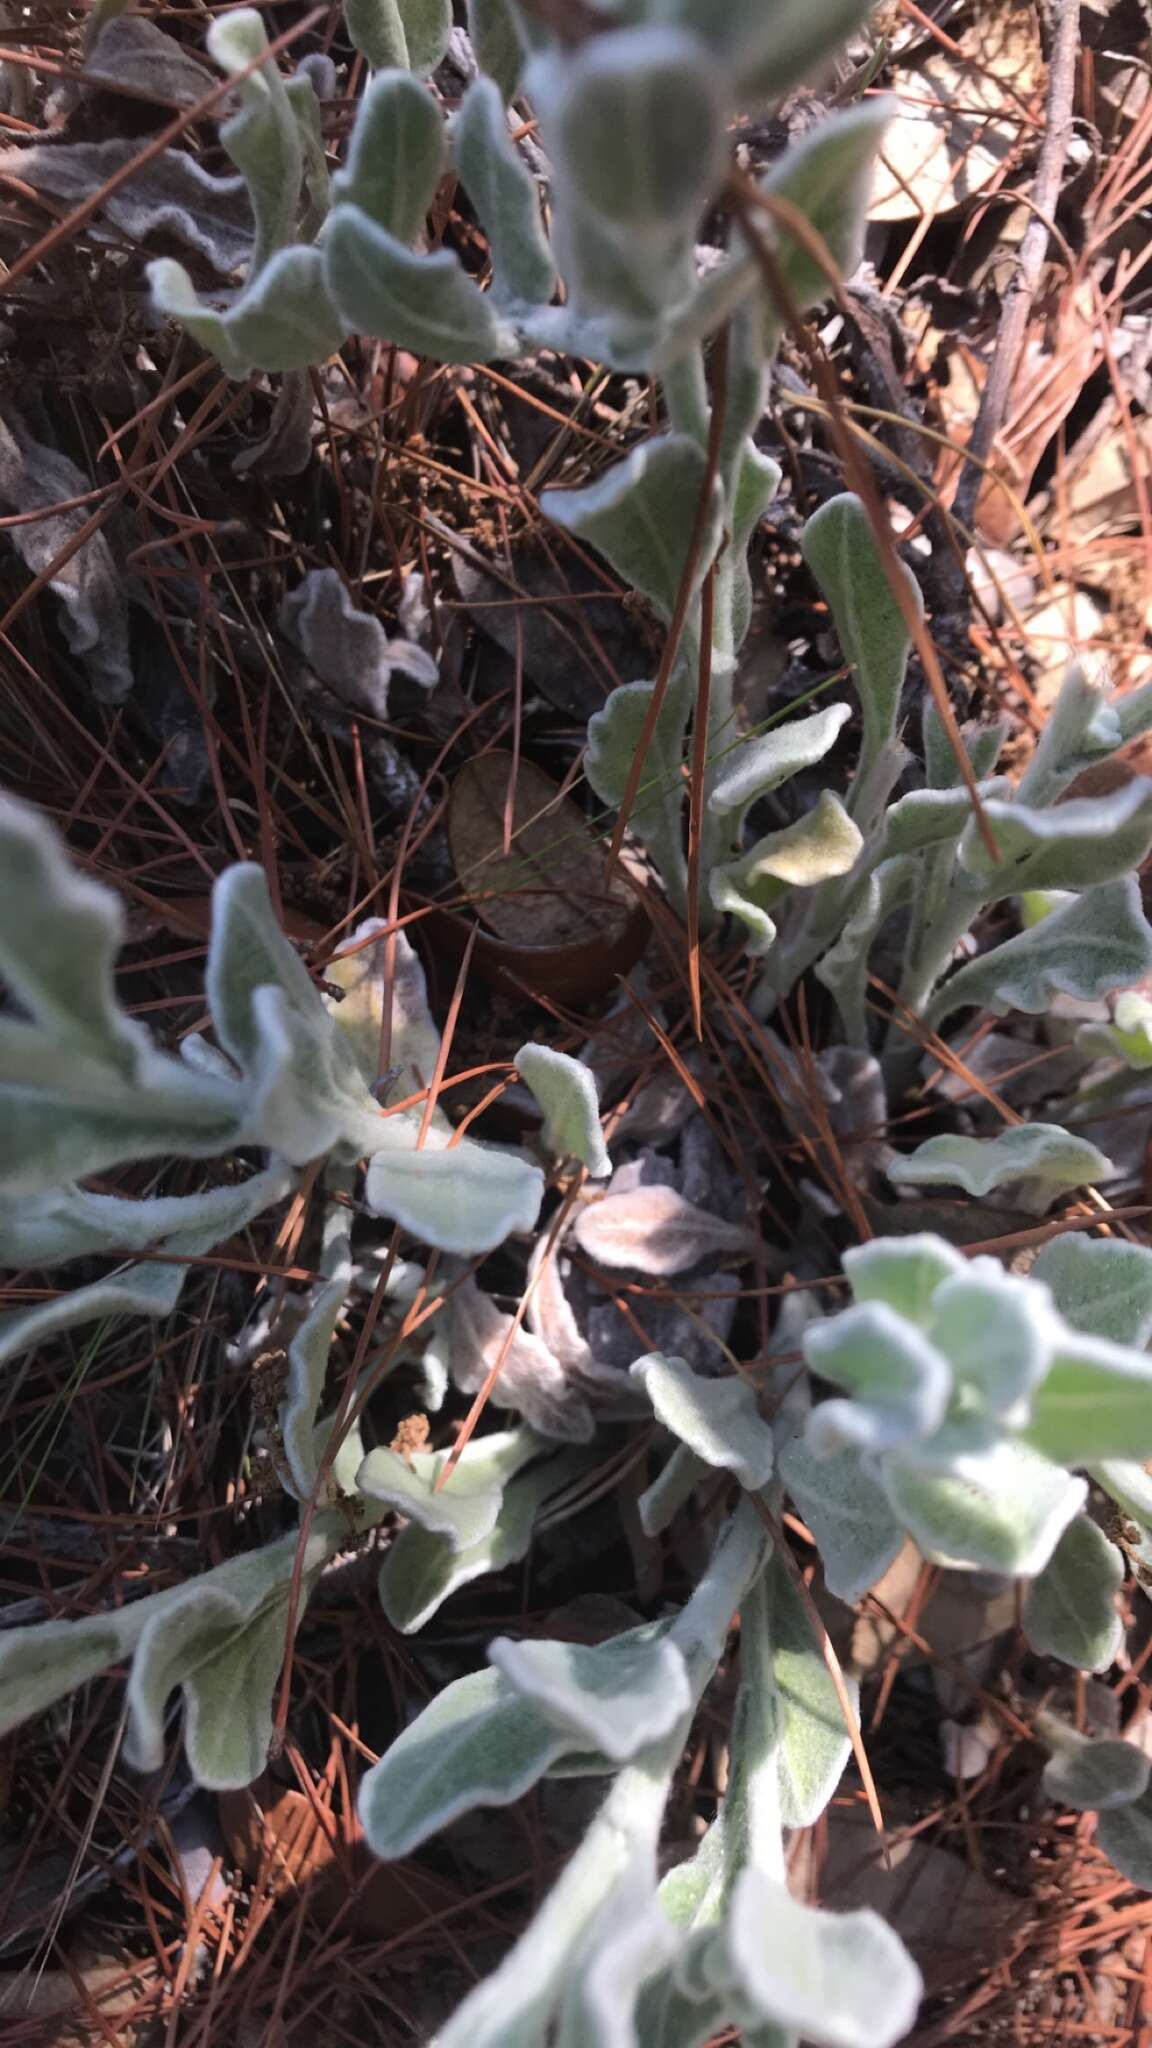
(654, 1230)
(959, 116)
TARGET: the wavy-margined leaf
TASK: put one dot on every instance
(641, 515)
(635, 125)
(283, 320)
(146, 1290)
(811, 1739)
(840, 549)
(999, 1507)
(396, 154)
(1095, 1402)
(1100, 1285)
(466, 1507)
(827, 176)
(468, 1199)
(1078, 729)
(71, 1222)
(346, 647)
(901, 1382)
(1046, 1159)
(849, 1514)
(473, 1337)
(1125, 1835)
(566, 1091)
(903, 1271)
(718, 1419)
(818, 846)
(614, 736)
(1073, 845)
(421, 1569)
(411, 35)
(1096, 1775)
(613, 1697)
(842, 1980)
(1127, 1036)
(1098, 942)
(263, 139)
(425, 303)
(760, 765)
(503, 191)
(375, 962)
(1070, 1610)
(59, 937)
(930, 817)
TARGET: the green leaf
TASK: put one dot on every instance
(931, 817)
(1096, 1402)
(283, 320)
(477, 1744)
(827, 176)
(613, 1697)
(1125, 1835)
(263, 139)
(1070, 1610)
(1045, 1158)
(1098, 942)
(504, 193)
(839, 547)
(70, 1222)
(376, 29)
(903, 1271)
(758, 766)
(1095, 1775)
(718, 1419)
(901, 1382)
(771, 49)
(634, 124)
(396, 155)
(495, 38)
(468, 1199)
(146, 1290)
(566, 1091)
(614, 736)
(427, 32)
(757, 480)
(998, 1333)
(848, 1512)
(675, 1483)
(59, 937)
(812, 1740)
(424, 303)
(641, 515)
(1127, 1037)
(844, 968)
(1083, 841)
(466, 1508)
(843, 1980)
(995, 1508)
(1101, 1286)
(818, 846)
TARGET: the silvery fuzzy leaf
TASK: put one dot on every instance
(467, 1199)
(1095, 1775)
(424, 303)
(761, 764)
(901, 1382)
(1100, 1285)
(95, 619)
(172, 194)
(283, 319)
(494, 33)
(466, 1508)
(674, 1484)
(810, 1738)
(567, 1094)
(818, 846)
(1095, 1402)
(145, 1290)
(131, 52)
(503, 191)
(477, 1744)
(376, 29)
(654, 1230)
(310, 1344)
(70, 1222)
(839, 547)
(471, 1333)
(248, 952)
(634, 124)
(299, 1101)
(366, 973)
(998, 1333)
(1000, 1507)
(59, 937)
(827, 176)
(929, 817)
(1079, 728)
(614, 736)
(844, 967)
(427, 32)
(1098, 942)
(1047, 1159)
(550, 1317)
(612, 1698)
(847, 1510)
(1125, 1835)
(641, 515)
(1128, 1484)
(629, 1942)
(756, 482)
(1133, 713)
(347, 648)
(842, 1980)
(263, 138)
(1070, 1610)
(421, 1569)
(1128, 1035)
(285, 446)
(770, 49)
(718, 1419)
(395, 156)
(1082, 841)
(304, 92)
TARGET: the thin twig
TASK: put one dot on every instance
(1019, 297)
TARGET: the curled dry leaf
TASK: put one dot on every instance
(956, 124)
(96, 615)
(347, 648)
(171, 194)
(471, 1332)
(654, 1230)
